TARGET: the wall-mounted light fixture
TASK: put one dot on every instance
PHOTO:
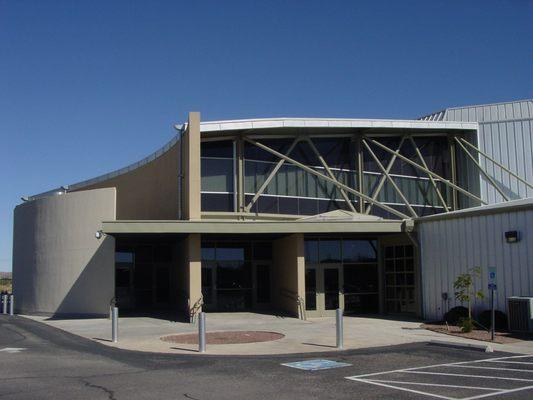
(98, 234)
(512, 236)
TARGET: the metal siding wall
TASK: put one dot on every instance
(450, 247)
(506, 134)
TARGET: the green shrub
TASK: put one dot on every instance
(500, 318)
(466, 325)
(455, 315)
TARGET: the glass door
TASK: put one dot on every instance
(261, 286)
(331, 288)
(322, 290)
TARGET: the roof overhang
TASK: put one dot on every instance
(251, 227)
(270, 123)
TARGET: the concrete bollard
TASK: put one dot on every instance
(114, 324)
(11, 306)
(4, 304)
(201, 332)
(340, 329)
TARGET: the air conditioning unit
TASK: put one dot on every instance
(520, 313)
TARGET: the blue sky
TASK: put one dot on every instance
(90, 86)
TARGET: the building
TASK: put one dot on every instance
(296, 215)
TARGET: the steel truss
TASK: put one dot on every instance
(367, 201)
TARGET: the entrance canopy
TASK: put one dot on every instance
(322, 223)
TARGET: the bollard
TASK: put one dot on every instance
(114, 324)
(11, 307)
(340, 333)
(4, 304)
(201, 332)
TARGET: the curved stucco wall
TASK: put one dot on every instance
(149, 191)
(59, 267)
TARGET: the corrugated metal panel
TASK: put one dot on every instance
(505, 134)
(450, 247)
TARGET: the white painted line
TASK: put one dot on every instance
(469, 376)
(495, 394)
(437, 384)
(404, 389)
(439, 365)
(496, 368)
(12, 350)
(512, 362)
(416, 370)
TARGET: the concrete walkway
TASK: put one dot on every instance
(313, 335)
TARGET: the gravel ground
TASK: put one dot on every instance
(500, 337)
(228, 337)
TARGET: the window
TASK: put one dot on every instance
(330, 251)
(218, 175)
(359, 251)
(400, 279)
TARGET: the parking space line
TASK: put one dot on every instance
(469, 376)
(506, 391)
(496, 368)
(445, 365)
(402, 388)
(437, 384)
(372, 378)
(512, 362)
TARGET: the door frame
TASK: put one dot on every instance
(320, 310)
(255, 304)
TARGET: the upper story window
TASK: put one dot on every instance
(218, 176)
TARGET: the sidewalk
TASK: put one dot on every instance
(313, 335)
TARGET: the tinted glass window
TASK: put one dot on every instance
(262, 251)
(330, 251)
(217, 202)
(311, 251)
(233, 251)
(124, 257)
(217, 149)
(359, 251)
(208, 251)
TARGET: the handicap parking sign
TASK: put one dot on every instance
(492, 275)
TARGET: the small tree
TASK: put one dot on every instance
(465, 292)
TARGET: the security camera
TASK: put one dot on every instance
(98, 234)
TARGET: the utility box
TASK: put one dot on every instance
(520, 313)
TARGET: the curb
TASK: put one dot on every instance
(471, 346)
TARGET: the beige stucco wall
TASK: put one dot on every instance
(59, 267)
(289, 273)
(147, 192)
(191, 168)
(189, 274)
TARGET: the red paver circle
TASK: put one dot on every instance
(225, 337)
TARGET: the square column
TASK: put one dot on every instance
(190, 162)
(289, 274)
(190, 275)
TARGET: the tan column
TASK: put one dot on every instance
(191, 208)
(289, 274)
(190, 274)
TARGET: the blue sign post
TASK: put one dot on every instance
(492, 288)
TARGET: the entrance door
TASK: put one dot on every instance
(261, 286)
(323, 293)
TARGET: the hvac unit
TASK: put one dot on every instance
(520, 313)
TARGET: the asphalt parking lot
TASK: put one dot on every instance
(42, 362)
(475, 379)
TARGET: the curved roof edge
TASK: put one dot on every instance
(266, 123)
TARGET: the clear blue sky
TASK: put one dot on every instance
(90, 86)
